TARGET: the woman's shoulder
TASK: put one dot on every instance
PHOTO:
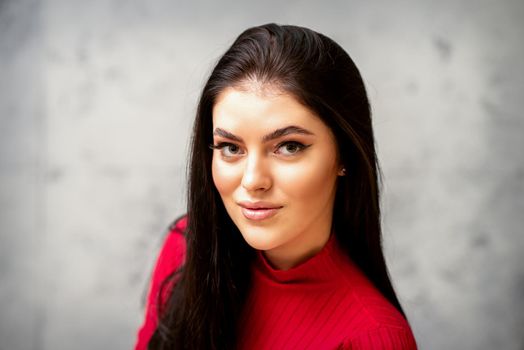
(378, 310)
(384, 326)
(381, 325)
(179, 225)
(171, 257)
(176, 234)
(381, 338)
(173, 251)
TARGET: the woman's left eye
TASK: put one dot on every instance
(290, 148)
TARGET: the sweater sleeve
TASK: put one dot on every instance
(382, 338)
(170, 258)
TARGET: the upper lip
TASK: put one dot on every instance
(258, 205)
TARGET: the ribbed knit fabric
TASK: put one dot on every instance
(171, 256)
(325, 302)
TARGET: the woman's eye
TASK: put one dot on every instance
(290, 148)
(227, 149)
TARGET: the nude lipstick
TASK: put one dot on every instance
(258, 211)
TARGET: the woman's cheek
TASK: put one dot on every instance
(306, 181)
(225, 176)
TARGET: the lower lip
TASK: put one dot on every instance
(259, 214)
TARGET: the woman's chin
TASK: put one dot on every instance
(260, 240)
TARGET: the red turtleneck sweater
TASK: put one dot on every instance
(325, 302)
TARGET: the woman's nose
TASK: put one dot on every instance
(256, 175)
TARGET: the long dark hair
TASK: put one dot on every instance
(204, 306)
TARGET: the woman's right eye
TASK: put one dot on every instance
(227, 149)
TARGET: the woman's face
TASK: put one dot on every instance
(275, 167)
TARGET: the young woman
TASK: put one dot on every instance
(281, 246)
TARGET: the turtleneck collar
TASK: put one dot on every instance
(324, 267)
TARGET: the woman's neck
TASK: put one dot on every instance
(296, 251)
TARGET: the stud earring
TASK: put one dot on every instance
(342, 172)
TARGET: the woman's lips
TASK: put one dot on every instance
(259, 213)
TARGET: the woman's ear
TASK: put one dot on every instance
(342, 171)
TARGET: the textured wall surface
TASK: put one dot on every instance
(96, 104)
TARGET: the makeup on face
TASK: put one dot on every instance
(275, 168)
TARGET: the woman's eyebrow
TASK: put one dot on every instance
(226, 134)
(271, 136)
(286, 131)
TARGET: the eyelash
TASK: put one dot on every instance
(301, 147)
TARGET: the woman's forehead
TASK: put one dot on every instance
(237, 108)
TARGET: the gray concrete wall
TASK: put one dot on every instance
(96, 103)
